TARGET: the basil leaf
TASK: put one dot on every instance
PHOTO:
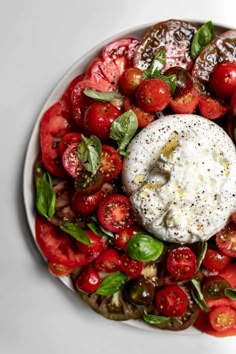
(156, 65)
(198, 296)
(90, 152)
(123, 130)
(153, 319)
(143, 247)
(230, 293)
(45, 196)
(102, 96)
(76, 232)
(201, 255)
(97, 228)
(111, 284)
(169, 80)
(201, 38)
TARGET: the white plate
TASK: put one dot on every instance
(33, 145)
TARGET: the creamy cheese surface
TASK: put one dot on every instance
(180, 173)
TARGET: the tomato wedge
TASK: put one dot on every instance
(186, 103)
(130, 266)
(108, 261)
(111, 163)
(59, 270)
(68, 139)
(226, 240)
(66, 97)
(211, 108)
(71, 162)
(144, 118)
(182, 263)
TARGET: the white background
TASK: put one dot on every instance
(39, 41)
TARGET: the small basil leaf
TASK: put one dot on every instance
(45, 196)
(102, 96)
(143, 247)
(198, 296)
(153, 319)
(123, 130)
(201, 38)
(230, 293)
(97, 228)
(156, 65)
(111, 284)
(201, 255)
(76, 232)
(90, 152)
(169, 80)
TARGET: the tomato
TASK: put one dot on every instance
(129, 80)
(57, 246)
(222, 318)
(185, 104)
(233, 103)
(86, 183)
(88, 280)
(85, 205)
(213, 287)
(203, 324)
(171, 301)
(153, 95)
(98, 245)
(121, 239)
(108, 261)
(233, 217)
(130, 267)
(68, 139)
(59, 270)
(115, 212)
(98, 119)
(71, 162)
(111, 163)
(226, 240)
(66, 97)
(211, 108)
(222, 79)
(215, 261)
(106, 70)
(181, 263)
(144, 118)
(184, 81)
(229, 274)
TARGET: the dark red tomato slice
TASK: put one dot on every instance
(222, 79)
(53, 126)
(71, 162)
(66, 97)
(185, 104)
(226, 240)
(171, 301)
(144, 118)
(223, 318)
(86, 183)
(215, 261)
(129, 80)
(233, 217)
(130, 267)
(59, 270)
(115, 213)
(229, 274)
(88, 280)
(68, 139)
(108, 261)
(121, 239)
(181, 263)
(213, 287)
(111, 163)
(106, 69)
(59, 247)
(98, 245)
(211, 108)
(85, 205)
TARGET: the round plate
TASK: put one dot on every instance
(33, 145)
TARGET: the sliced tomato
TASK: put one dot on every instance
(59, 270)
(185, 104)
(111, 163)
(171, 301)
(68, 139)
(130, 266)
(203, 324)
(122, 238)
(85, 205)
(106, 69)
(182, 263)
(88, 280)
(229, 274)
(71, 162)
(215, 261)
(223, 301)
(144, 118)
(211, 108)
(98, 245)
(115, 212)
(108, 261)
(213, 287)
(226, 240)
(222, 318)
(86, 183)
(66, 97)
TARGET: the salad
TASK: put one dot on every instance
(135, 181)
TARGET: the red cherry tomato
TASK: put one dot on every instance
(122, 238)
(182, 263)
(222, 80)
(215, 261)
(211, 108)
(111, 163)
(98, 119)
(226, 240)
(66, 97)
(233, 103)
(98, 245)
(185, 104)
(222, 318)
(129, 80)
(130, 267)
(153, 95)
(68, 139)
(115, 212)
(229, 274)
(59, 270)
(171, 301)
(71, 162)
(86, 183)
(108, 261)
(88, 280)
(144, 118)
(85, 205)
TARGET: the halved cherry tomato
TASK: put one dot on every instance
(66, 97)
(213, 287)
(144, 118)
(111, 163)
(130, 267)
(215, 261)
(171, 301)
(115, 212)
(59, 270)
(71, 162)
(184, 81)
(85, 205)
(129, 80)
(98, 244)
(121, 239)
(182, 263)
(203, 324)
(222, 318)
(226, 240)
(68, 139)
(229, 274)
(108, 261)
(86, 183)
(222, 79)
(211, 108)
(88, 280)
(185, 104)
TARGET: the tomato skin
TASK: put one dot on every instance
(185, 104)
(129, 80)
(223, 79)
(98, 245)
(59, 270)
(226, 240)
(171, 301)
(211, 108)
(121, 239)
(71, 162)
(181, 263)
(153, 95)
(108, 261)
(222, 318)
(68, 139)
(229, 274)
(98, 119)
(111, 163)
(85, 205)
(88, 280)
(215, 261)
(144, 118)
(130, 267)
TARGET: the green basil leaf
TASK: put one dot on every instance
(153, 319)
(201, 255)
(201, 38)
(76, 232)
(45, 196)
(90, 153)
(143, 247)
(169, 80)
(102, 96)
(123, 130)
(156, 65)
(230, 293)
(198, 295)
(97, 228)
(111, 284)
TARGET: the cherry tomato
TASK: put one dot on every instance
(86, 183)
(144, 118)
(59, 270)
(115, 212)
(229, 274)
(66, 97)
(85, 205)
(111, 163)
(215, 261)
(226, 240)
(88, 280)
(98, 119)
(121, 239)
(182, 263)
(171, 301)
(68, 139)
(108, 261)
(211, 108)
(153, 95)
(203, 324)
(233, 103)
(185, 104)
(98, 245)
(71, 162)
(222, 80)
(213, 287)
(129, 80)
(130, 267)
(222, 318)
(184, 81)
